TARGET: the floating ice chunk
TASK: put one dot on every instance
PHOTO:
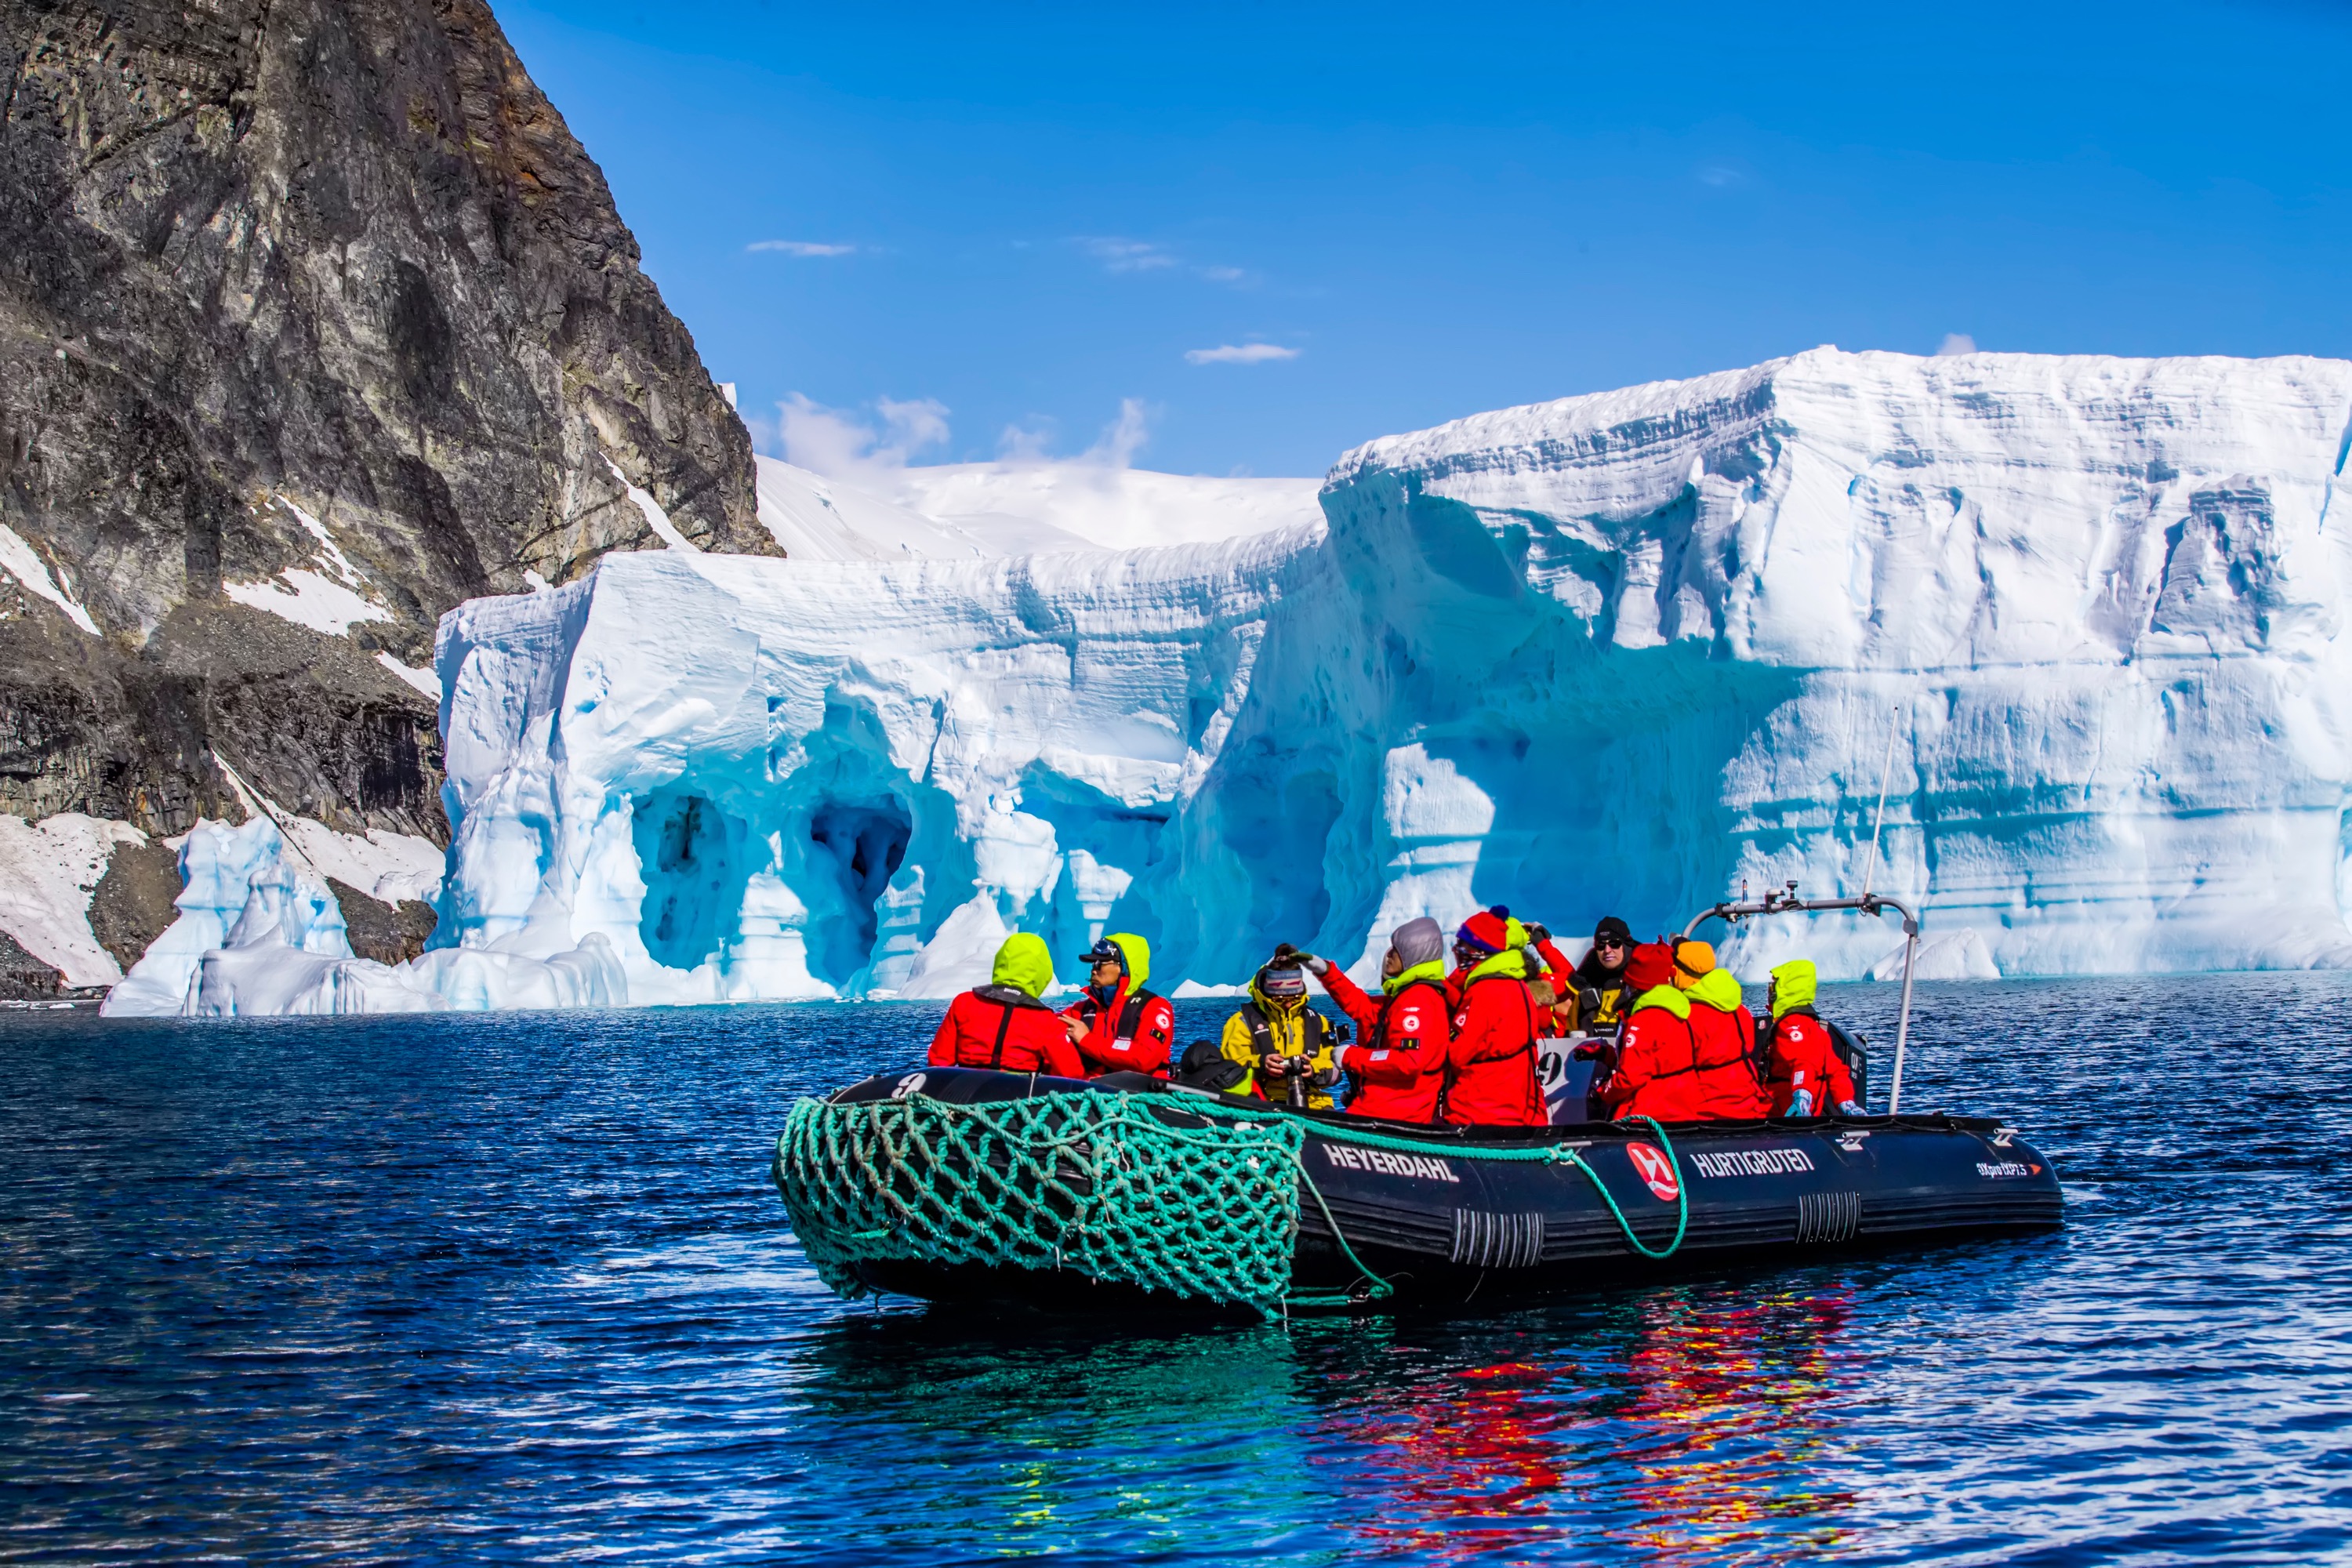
(1954, 956)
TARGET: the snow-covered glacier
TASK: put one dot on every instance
(1623, 653)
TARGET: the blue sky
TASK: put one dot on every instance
(1390, 217)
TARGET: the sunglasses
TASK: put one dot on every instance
(1611, 942)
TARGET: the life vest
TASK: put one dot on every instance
(1313, 1030)
(1130, 1017)
(1008, 1000)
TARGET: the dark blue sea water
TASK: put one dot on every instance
(516, 1288)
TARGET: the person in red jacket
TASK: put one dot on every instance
(1117, 1026)
(1399, 1066)
(1492, 1059)
(1723, 1037)
(1002, 1024)
(1802, 1071)
(1655, 1073)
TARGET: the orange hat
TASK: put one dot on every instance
(1692, 959)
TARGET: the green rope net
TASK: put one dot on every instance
(1092, 1182)
(1097, 1183)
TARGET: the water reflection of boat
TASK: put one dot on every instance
(1674, 1422)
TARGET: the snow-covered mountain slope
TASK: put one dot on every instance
(1617, 653)
(966, 511)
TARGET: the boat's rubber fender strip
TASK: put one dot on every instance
(1555, 1155)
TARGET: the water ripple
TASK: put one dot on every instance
(516, 1290)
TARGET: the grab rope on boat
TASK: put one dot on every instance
(1094, 1183)
(1555, 1155)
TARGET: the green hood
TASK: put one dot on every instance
(1665, 996)
(1139, 958)
(1434, 972)
(1793, 986)
(1271, 1006)
(1719, 989)
(1511, 961)
(1023, 961)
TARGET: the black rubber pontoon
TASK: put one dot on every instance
(1430, 1215)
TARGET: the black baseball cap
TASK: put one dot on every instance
(1612, 929)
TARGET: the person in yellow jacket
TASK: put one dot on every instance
(1282, 1041)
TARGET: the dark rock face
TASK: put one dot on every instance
(389, 935)
(23, 977)
(336, 253)
(133, 902)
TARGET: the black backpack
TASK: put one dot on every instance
(1206, 1066)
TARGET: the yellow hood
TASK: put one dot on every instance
(1138, 957)
(1794, 984)
(1023, 961)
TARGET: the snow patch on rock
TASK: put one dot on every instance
(48, 870)
(20, 561)
(330, 600)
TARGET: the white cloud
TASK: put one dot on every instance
(1223, 274)
(1126, 255)
(1239, 353)
(802, 248)
(1955, 344)
(1123, 437)
(839, 444)
(872, 450)
(1026, 443)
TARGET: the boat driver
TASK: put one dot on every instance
(1802, 1071)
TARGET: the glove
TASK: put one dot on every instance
(1802, 1103)
(1318, 967)
(1851, 1108)
(1538, 932)
(1588, 1051)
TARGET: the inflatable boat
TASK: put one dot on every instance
(1126, 1192)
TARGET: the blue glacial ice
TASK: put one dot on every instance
(1626, 653)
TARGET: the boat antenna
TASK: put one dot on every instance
(1910, 922)
(1885, 773)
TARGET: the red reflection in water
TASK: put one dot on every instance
(1696, 1436)
(1724, 1412)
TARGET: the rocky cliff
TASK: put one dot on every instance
(315, 320)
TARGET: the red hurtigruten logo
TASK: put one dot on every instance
(1657, 1171)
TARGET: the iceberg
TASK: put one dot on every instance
(2081, 618)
